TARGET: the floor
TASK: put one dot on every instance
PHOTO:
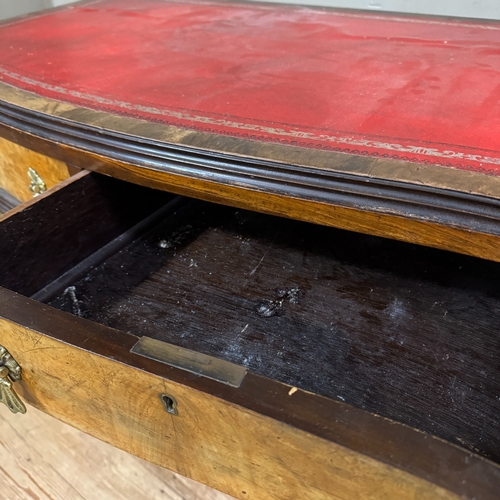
(44, 459)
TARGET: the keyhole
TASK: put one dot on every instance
(169, 403)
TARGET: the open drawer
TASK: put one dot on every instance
(268, 358)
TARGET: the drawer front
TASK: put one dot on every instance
(233, 449)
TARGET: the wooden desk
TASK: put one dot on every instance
(244, 337)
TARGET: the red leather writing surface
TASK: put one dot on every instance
(407, 88)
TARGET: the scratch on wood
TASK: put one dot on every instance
(252, 272)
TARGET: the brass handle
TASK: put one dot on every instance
(37, 186)
(9, 371)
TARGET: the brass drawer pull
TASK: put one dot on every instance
(37, 186)
(10, 372)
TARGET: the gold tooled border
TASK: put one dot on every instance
(418, 174)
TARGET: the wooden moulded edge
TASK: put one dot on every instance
(425, 204)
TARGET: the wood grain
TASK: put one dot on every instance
(14, 163)
(49, 460)
(235, 450)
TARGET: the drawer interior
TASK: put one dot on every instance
(407, 332)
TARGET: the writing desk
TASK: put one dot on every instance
(316, 314)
